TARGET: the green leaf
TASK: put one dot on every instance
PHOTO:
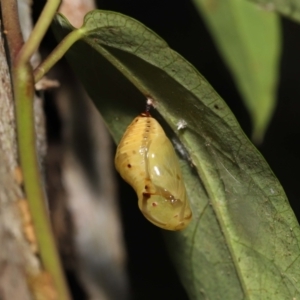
(289, 8)
(243, 241)
(249, 40)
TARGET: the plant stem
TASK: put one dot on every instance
(38, 31)
(24, 93)
(10, 19)
(23, 85)
(57, 54)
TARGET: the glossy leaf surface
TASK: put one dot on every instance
(243, 241)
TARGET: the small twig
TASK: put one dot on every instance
(11, 26)
(57, 54)
(38, 31)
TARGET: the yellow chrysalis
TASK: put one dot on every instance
(146, 159)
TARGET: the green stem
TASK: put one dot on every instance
(38, 31)
(23, 85)
(57, 54)
(24, 93)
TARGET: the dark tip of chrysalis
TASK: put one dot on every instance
(149, 105)
(145, 114)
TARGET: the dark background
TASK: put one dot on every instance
(152, 275)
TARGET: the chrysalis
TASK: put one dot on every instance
(146, 159)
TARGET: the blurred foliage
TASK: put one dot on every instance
(249, 40)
